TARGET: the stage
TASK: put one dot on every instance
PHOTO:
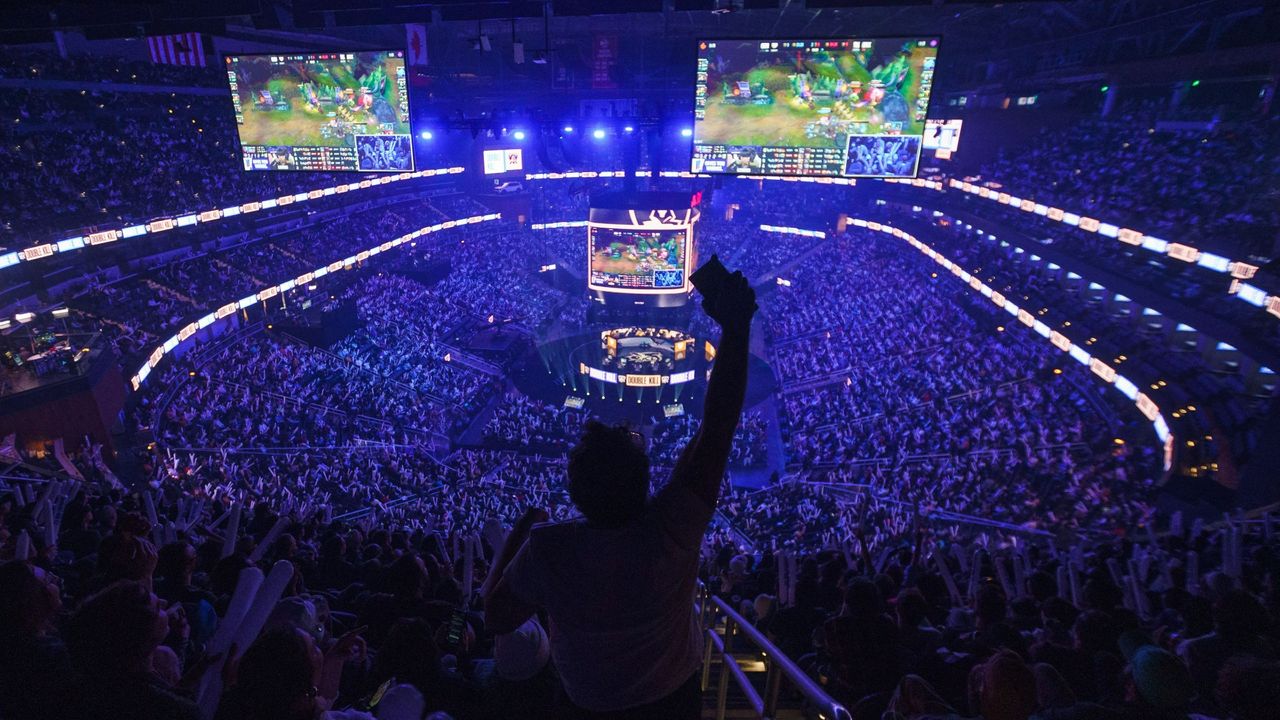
(642, 378)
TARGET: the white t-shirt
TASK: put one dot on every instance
(620, 600)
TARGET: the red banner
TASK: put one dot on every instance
(604, 56)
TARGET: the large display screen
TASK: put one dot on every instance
(816, 108)
(942, 134)
(637, 260)
(497, 162)
(322, 111)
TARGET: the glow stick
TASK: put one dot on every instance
(264, 601)
(1141, 602)
(1075, 584)
(276, 530)
(22, 546)
(149, 504)
(1193, 572)
(975, 568)
(1019, 576)
(779, 561)
(1002, 575)
(1113, 566)
(1064, 590)
(468, 569)
(233, 529)
(945, 572)
(211, 683)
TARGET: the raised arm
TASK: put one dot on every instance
(702, 463)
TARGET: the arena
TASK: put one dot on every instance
(665, 359)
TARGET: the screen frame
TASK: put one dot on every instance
(688, 259)
(413, 157)
(693, 121)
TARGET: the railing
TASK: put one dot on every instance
(724, 628)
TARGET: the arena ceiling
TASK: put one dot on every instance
(985, 41)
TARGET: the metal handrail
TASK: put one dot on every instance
(778, 667)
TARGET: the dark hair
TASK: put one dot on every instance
(608, 474)
(1249, 688)
(274, 673)
(19, 597)
(409, 655)
(115, 623)
(406, 576)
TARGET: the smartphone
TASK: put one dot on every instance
(709, 278)
(371, 702)
(457, 626)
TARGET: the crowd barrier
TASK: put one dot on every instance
(723, 631)
(180, 337)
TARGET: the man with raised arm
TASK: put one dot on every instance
(618, 584)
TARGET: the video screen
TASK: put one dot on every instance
(942, 134)
(638, 260)
(322, 111)
(497, 162)
(815, 108)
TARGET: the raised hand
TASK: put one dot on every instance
(734, 305)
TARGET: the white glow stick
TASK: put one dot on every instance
(233, 529)
(975, 567)
(211, 684)
(276, 530)
(22, 546)
(1193, 572)
(468, 569)
(1002, 575)
(945, 572)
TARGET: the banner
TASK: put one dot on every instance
(416, 44)
(180, 49)
(604, 56)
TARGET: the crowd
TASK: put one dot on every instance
(1226, 411)
(893, 608)
(528, 423)
(749, 450)
(973, 421)
(961, 533)
(1205, 186)
(85, 141)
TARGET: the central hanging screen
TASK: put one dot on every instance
(812, 108)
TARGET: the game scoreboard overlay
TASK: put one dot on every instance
(812, 108)
(322, 111)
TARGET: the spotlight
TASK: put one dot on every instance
(425, 135)
(568, 129)
(686, 132)
(628, 129)
(597, 134)
(519, 134)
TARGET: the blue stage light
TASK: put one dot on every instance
(568, 129)
(425, 135)
(519, 134)
(686, 132)
(597, 134)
